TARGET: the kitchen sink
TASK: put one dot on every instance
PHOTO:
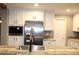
(37, 47)
(34, 47)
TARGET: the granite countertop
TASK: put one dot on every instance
(73, 37)
(49, 40)
(59, 51)
(55, 51)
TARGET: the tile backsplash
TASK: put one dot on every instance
(75, 34)
(48, 35)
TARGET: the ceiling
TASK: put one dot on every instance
(57, 8)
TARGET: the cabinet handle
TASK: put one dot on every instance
(16, 39)
(34, 17)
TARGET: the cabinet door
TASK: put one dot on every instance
(38, 15)
(11, 41)
(15, 17)
(76, 22)
(19, 17)
(12, 18)
(50, 44)
(28, 15)
(15, 40)
(73, 43)
(19, 40)
(48, 21)
(33, 15)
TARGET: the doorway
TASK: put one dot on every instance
(60, 32)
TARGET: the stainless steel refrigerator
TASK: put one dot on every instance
(33, 34)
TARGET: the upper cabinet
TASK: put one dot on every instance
(49, 20)
(15, 17)
(33, 15)
(76, 22)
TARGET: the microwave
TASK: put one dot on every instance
(15, 30)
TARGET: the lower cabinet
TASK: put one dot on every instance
(15, 40)
(73, 43)
(48, 44)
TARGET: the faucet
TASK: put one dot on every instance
(31, 40)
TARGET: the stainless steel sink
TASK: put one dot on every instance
(37, 47)
(34, 47)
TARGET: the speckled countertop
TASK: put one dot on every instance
(50, 40)
(55, 51)
(73, 37)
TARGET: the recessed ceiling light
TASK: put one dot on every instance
(36, 4)
(68, 10)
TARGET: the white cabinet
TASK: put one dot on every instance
(15, 40)
(49, 44)
(12, 19)
(49, 20)
(76, 22)
(20, 40)
(73, 43)
(11, 41)
(19, 17)
(33, 15)
(15, 17)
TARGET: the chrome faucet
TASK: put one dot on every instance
(31, 40)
